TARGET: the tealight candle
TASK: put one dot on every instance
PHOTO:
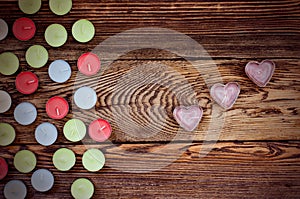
(36, 56)
(74, 130)
(3, 168)
(60, 7)
(64, 159)
(59, 71)
(5, 101)
(25, 113)
(25, 161)
(3, 29)
(24, 29)
(85, 98)
(83, 30)
(93, 160)
(42, 180)
(88, 64)
(56, 35)
(9, 63)
(27, 82)
(100, 130)
(30, 6)
(82, 188)
(57, 107)
(7, 134)
(46, 134)
(15, 189)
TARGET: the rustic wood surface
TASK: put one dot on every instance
(258, 150)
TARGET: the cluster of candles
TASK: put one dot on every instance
(57, 107)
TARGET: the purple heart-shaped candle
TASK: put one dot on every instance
(225, 95)
(260, 73)
(188, 117)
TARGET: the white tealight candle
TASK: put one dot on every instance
(15, 189)
(85, 98)
(46, 134)
(25, 113)
(42, 180)
(5, 101)
(3, 29)
(59, 71)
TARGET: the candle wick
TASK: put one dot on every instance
(89, 67)
(64, 70)
(100, 130)
(31, 81)
(27, 28)
(44, 131)
(28, 111)
(57, 111)
(41, 176)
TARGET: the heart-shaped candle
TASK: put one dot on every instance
(260, 73)
(225, 95)
(188, 117)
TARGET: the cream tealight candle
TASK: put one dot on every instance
(5, 101)
(15, 189)
(46, 134)
(42, 180)
(25, 113)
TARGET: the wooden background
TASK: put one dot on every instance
(258, 151)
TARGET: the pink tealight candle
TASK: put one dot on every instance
(27, 82)
(57, 107)
(100, 130)
(24, 29)
(88, 64)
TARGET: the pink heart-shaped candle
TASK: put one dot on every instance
(260, 73)
(225, 95)
(188, 117)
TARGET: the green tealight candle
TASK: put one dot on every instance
(25, 161)
(36, 56)
(74, 130)
(56, 35)
(9, 63)
(7, 134)
(82, 188)
(93, 160)
(60, 7)
(30, 6)
(64, 159)
(83, 30)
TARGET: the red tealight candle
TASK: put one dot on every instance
(100, 130)
(88, 64)
(57, 107)
(27, 82)
(3, 168)
(24, 29)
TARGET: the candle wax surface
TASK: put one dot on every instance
(46, 134)
(42, 180)
(74, 130)
(59, 71)
(25, 113)
(36, 56)
(25, 161)
(15, 189)
(3, 29)
(24, 29)
(64, 159)
(3, 168)
(83, 30)
(57, 107)
(60, 7)
(5, 101)
(9, 63)
(30, 6)
(93, 160)
(56, 35)
(85, 98)
(7, 134)
(88, 64)
(100, 130)
(82, 188)
(27, 82)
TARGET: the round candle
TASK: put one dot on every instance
(3, 168)
(15, 189)
(42, 180)
(46, 134)
(30, 6)
(64, 159)
(93, 160)
(60, 7)
(5, 101)
(27, 82)
(56, 35)
(74, 130)
(24, 29)
(88, 64)
(82, 188)
(36, 56)
(3, 29)
(59, 71)
(100, 130)
(85, 98)
(83, 30)
(25, 161)
(57, 107)
(9, 63)
(25, 113)
(7, 134)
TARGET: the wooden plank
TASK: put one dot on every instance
(270, 113)
(230, 170)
